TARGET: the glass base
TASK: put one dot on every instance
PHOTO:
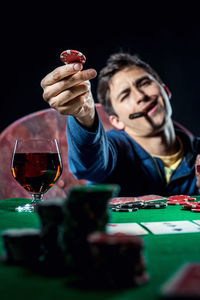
(30, 207)
(25, 208)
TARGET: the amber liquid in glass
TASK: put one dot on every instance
(36, 172)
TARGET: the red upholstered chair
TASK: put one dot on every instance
(42, 124)
(46, 123)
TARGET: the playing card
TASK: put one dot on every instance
(196, 221)
(184, 284)
(125, 228)
(171, 227)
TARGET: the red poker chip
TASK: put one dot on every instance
(186, 207)
(179, 201)
(195, 209)
(189, 207)
(193, 205)
(70, 56)
(181, 197)
(172, 203)
(176, 202)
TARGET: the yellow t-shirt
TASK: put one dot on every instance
(171, 162)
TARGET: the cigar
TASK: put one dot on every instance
(137, 115)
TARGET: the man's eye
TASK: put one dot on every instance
(145, 82)
(124, 97)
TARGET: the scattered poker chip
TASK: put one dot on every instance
(186, 207)
(195, 210)
(124, 209)
(70, 56)
(190, 205)
(195, 205)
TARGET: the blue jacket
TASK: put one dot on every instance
(114, 157)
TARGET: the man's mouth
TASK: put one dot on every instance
(147, 110)
(150, 107)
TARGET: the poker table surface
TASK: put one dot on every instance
(163, 254)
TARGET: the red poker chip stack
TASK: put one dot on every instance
(179, 200)
(186, 202)
(117, 261)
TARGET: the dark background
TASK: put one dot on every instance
(34, 35)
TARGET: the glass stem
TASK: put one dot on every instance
(36, 198)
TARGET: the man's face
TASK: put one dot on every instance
(133, 90)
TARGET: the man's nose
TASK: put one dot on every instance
(138, 95)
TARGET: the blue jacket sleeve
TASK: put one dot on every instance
(91, 155)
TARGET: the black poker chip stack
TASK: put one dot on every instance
(22, 246)
(85, 211)
(51, 220)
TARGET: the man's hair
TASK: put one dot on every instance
(115, 63)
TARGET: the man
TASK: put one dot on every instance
(147, 153)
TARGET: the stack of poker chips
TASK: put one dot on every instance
(64, 226)
(22, 246)
(135, 205)
(72, 238)
(51, 220)
(180, 199)
(85, 211)
(186, 202)
(117, 261)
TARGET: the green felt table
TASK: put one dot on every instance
(163, 254)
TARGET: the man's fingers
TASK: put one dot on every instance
(68, 95)
(67, 83)
(60, 73)
(83, 76)
(67, 71)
